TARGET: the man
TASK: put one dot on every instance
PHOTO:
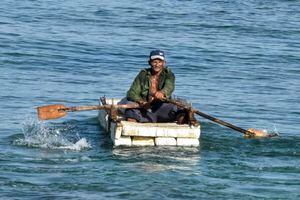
(149, 89)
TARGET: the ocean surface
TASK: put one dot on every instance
(235, 60)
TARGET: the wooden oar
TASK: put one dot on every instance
(59, 110)
(247, 133)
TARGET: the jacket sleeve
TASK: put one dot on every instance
(169, 85)
(134, 93)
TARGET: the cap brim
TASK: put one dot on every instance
(157, 57)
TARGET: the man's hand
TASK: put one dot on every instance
(144, 104)
(159, 95)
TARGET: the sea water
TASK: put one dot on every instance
(235, 60)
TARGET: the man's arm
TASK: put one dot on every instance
(134, 93)
(169, 85)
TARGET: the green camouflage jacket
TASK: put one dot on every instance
(140, 87)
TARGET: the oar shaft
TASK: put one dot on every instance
(100, 107)
(211, 117)
(219, 121)
(59, 110)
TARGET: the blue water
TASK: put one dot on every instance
(236, 60)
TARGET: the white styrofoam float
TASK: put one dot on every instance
(124, 133)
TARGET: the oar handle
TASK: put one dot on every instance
(100, 107)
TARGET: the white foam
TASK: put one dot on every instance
(79, 145)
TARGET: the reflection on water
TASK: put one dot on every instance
(152, 159)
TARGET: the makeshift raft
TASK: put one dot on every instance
(124, 133)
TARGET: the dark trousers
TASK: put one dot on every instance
(159, 112)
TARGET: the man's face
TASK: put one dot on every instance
(157, 65)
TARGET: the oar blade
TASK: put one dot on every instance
(51, 111)
(256, 133)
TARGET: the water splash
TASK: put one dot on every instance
(275, 131)
(41, 135)
(271, 133)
